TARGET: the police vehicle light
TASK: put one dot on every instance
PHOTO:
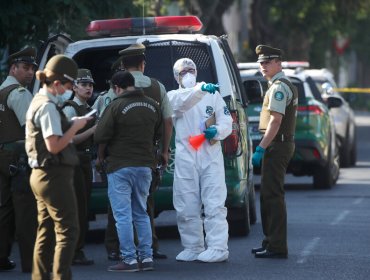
(146, 25)
(312, 109)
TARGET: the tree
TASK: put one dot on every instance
(27, 22)
(306, 29)
(209, 11)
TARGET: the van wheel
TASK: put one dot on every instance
(252, 206)
(239, 221)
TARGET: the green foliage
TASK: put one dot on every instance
(27, 22)
(306, 29)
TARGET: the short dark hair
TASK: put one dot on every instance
(133, 61)
(122, 79)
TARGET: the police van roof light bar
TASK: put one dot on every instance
(148, 25)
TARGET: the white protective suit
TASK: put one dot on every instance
(199, 177)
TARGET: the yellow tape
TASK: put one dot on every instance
(353, 90)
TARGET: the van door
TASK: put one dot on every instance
(56, 44)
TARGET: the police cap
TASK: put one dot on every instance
(265, 53)
(63, 66)
(84, 76)
(26, 55)
(133, 50)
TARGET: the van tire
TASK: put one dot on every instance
(239, 219)
(252, 205)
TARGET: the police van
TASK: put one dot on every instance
(167, 39)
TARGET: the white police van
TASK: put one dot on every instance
(168, 39)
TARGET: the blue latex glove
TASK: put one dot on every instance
(257, 156)
(211, 88)
(210, 132)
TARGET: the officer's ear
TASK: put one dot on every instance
(142, 65)
(74, 87)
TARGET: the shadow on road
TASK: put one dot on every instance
(96, 236)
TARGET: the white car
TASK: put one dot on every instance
(344, 118)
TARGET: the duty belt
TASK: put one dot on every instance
(283, 138)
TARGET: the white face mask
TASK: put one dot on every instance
(64, 96)
(189, 80)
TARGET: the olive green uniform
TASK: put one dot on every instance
(83, 172)
(18, 213)
(52, 183)
(281, 97)
(103, 100)
(111, 238)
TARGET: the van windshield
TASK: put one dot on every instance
(160, 58)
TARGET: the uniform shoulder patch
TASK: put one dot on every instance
(279, 95)
(107, 101)
(21, 89)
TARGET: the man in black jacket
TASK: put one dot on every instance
(129, 126)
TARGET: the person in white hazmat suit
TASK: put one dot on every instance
(199, 178)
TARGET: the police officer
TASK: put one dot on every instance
(133, 60)
(52, 158)
(106, 97)
(17, 204)
(84, 141)
(277, 123)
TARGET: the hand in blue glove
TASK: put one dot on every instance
(210, 132)
(257, 156)
(211, 88)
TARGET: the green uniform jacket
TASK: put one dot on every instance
(129, 126)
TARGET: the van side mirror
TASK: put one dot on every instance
(333, 102)
(254, 91)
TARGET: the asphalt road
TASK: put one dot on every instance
(328, 235)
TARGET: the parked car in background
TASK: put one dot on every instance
(344, 116)
(164, 45)
(316, 150)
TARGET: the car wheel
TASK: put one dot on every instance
(325, 178)
(322, 179)
(345, 151)
(353, 154)
(239, 221)
(252, 206)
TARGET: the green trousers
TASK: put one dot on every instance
(82, 185)
(58, 229)
(18, 218)
(272, 196)
(111, 238)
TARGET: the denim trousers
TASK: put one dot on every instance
(128, 190)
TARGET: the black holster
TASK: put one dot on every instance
(20, 173)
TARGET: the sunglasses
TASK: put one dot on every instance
(184, 72)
